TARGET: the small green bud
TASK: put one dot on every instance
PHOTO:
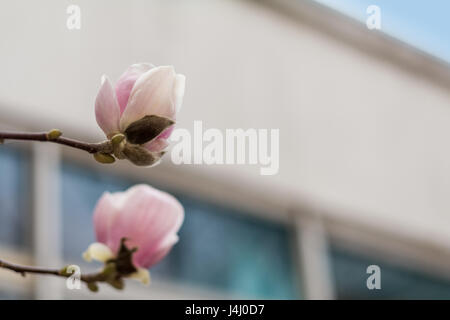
(93, 286)
(65, 272)
(109, 269)
(118, 142)
(117, 283)
(117, 139)
(54, 134)
(104, 157)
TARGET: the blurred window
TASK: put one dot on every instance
(218, 249)
(396, 282)
(81, 188)
(15, 216)
(232, 251)
(11, 295)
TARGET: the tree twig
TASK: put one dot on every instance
(23, 270)
(102, 147)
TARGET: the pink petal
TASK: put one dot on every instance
(166, 133)
(155, 93)
(126, 82)
(107, 111)
(149, 218)
(160, 142)
(157, 145)
(159, 251)
(105, 211)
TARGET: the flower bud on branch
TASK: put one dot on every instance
(55, 136)
(144, 218)
(137, 117)
(135, 229)
(141, 110)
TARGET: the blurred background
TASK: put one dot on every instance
(364, 117)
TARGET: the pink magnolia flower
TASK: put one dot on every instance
(142, 90)
(148, 218)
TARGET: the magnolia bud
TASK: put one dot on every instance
(104, 157)
(117, 139)
(54, 134)
(143, 107)
(141, 156)
(64, 272)
(92, 286)
(117, 283)
(147, 129)
(139, 208)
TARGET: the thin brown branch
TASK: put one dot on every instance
(23, 270)
(102, 147)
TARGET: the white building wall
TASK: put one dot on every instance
(357, 133)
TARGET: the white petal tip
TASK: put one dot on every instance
(143, 65)
(86, 256)
(98, 251)
(142, 275)
(179, 88)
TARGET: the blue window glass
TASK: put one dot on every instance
(81, 188)
(218, 249)
(397, 282)
(14, 197)
(237, 253)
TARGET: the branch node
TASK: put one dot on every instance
(54, 134)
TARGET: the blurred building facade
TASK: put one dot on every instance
(364, 170)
